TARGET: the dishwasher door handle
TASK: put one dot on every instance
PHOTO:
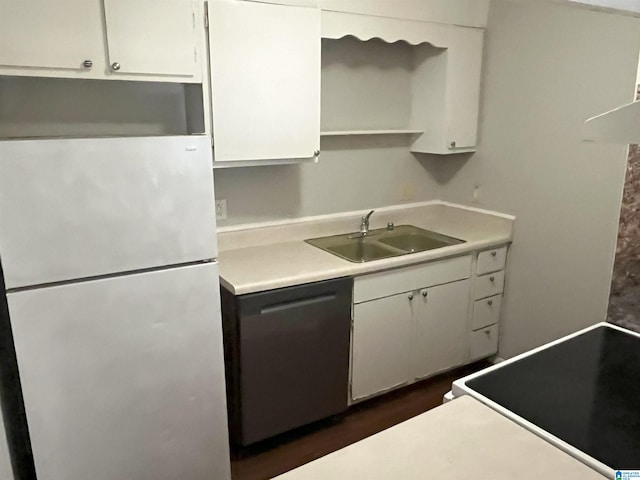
(303, 302)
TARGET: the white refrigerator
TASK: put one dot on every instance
(108, 251)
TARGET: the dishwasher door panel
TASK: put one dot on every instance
(293, 357)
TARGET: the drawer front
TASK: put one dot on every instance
(486, 311)
(491, 260)
(484, 342)
(488, 285)
(391, 282)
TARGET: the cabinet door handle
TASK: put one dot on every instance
(493, 254)
(115, 66)
(490, 302)
(87, 64)
(492, 278)
(488, 332)
(425, 293)
(410, 297)
(316, 153)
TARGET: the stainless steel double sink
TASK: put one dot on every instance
(383, 243)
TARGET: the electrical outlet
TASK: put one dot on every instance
(221, 209)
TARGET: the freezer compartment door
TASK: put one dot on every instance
(76, 208)
(123, 377)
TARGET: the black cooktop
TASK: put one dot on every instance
(585, 391)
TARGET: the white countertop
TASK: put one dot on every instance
(460, 440)
(268, 256)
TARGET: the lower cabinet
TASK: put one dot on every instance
(415, 322)
(405, 336)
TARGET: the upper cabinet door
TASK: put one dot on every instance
(265, 80)
(463, 87)
(155, 37)
(50, 34)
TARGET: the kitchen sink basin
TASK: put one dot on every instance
(383, 243)
(418, 242)
(359, 250)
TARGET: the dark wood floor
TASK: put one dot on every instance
(290, 450)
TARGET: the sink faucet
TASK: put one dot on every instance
(364, 224)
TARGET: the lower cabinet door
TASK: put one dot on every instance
(382, 332)
(441, 328)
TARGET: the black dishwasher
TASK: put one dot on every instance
(286, 357)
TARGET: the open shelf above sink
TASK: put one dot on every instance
(342, 133)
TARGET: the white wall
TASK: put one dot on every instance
(547, 68)
(353, 173)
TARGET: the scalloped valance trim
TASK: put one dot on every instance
(337, 25)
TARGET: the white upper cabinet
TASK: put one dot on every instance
(432, 92)
(155, 37)
(265, 80)
(153, 40)
(463, 87)
(49, 34)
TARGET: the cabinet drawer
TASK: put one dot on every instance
(488, 285)
(486, 311)
(491, 260)
(384, 284)
(484, 342)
